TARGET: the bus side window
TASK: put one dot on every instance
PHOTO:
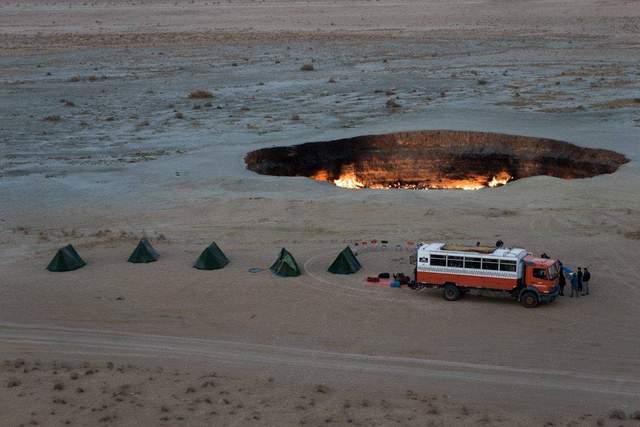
(438, 260)
(489, 264)
(539, 273)
(507, 265)
(472, 262)
(455, 261)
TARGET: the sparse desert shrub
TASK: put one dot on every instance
(74, 79)
(635, 415)
(92, 78)
(617, 414)
(179, 115)
(633, 235)
(13, 382)
(307, 67)
(482, 82)
(52, 118)
(485, 419)
(321, 388)
(59, 386)
(392, 104)
(200, 94)
(433, 410)
(68, 103)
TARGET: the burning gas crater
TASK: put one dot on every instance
(433, 160)
(348, 178)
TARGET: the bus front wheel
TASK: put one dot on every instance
(529, 300)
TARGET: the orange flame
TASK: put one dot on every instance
(349, 179)
(500, 179)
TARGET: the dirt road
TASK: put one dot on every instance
(547, 383)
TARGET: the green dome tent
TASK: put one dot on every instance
(345, 263)
(144, 252)
(285, 265)
(66, 259)
(212, 258)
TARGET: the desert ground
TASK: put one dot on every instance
(101, 145)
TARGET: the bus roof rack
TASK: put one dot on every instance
(463, 248)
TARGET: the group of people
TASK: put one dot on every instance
(579, 281)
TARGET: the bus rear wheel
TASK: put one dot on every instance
(529, 300)
(451, 292)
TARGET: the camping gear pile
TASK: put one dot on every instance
(385, 280)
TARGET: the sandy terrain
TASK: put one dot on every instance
(100, 145)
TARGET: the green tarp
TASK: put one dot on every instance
(66, 259)
(212, 258)
(285, 265)
(144, 252)
(345, 263)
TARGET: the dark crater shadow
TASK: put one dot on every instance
(440, 159)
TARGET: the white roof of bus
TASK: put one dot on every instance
(503, 252)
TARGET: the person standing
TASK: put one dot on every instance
(574, 285)
(586, 276)
(562, 282)
(580, 279)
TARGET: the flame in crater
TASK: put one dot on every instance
(349, 179)
(500, 179)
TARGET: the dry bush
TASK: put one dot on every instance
(74, 79)
(52, 118)
(633, 235)
(433, 410)
(307, 67)
(200, 94)
(179, 115)
(59, 386)
(392, 104)
(321, 388)
(617, 414)
(13, 382)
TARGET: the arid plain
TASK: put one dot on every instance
(100, 144)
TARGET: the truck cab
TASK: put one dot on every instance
(540, 280)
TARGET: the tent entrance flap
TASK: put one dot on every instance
(345, 263)
(212, 258)
(285, 265)
(66, 259)
(144, 252)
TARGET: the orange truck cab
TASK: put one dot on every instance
(458, 270)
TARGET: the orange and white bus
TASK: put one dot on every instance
(460, 269)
